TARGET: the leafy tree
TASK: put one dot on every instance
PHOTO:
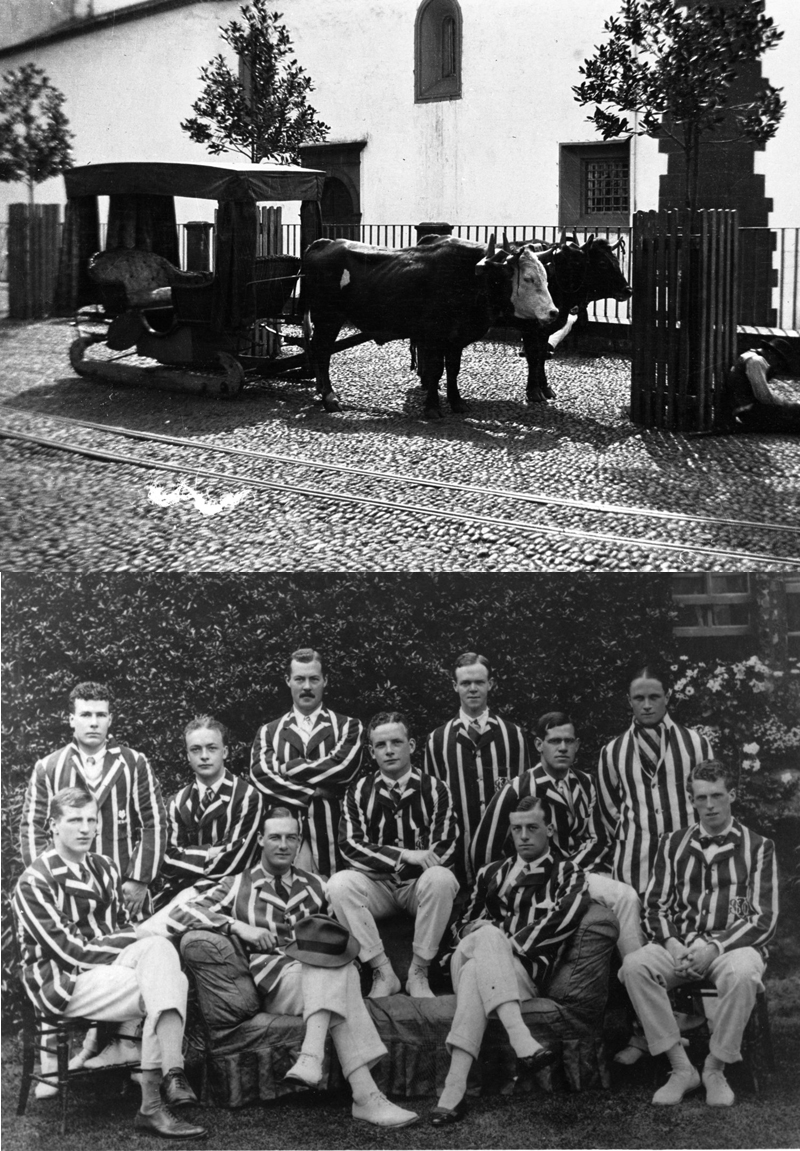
(265, 114)
(674, 65)
(35, 141)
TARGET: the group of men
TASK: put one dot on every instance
(113, 877)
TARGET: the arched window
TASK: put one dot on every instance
(437, 37)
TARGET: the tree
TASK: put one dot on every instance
(673, 65)
(35, 141)
(264, 114)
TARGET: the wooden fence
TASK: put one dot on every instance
(683, 330)
(34, 234)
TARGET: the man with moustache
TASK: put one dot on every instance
(307, 758)
(476, 752)
(273, 909)
(578, 832)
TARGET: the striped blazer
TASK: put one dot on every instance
(249, 898)
(474, 772)
(732, 900)
(578, 833)
(232, 821)
(311, 780)
(67, 924)
(372, 834)
(131, 818)
(639, 804)
(538, 917)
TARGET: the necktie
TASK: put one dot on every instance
(649, 743)
(394, 795)
(308, 723)
(474, 731)
(207, 799)
(280, 889)
(564, 789)
(711, 841)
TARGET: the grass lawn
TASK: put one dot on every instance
(621, 1117)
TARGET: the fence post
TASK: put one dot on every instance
(683, 327)
(198, 246)
(33, 244)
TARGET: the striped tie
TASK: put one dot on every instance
(207, 799)
(280, 889)
(474, 732)
(648, 740)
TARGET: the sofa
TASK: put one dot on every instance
(240, 1053)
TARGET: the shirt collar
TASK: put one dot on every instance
(521, 866)
(299, 716)
(215, 786)
(97, 755)
(481, 720)
(701, 831)
(400, 783)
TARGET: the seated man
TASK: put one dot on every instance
(264, 907)
(212, 823)
(710, 908)
(522, 911)
(578, 830)
(81, 958)
(749, 404)
(399, 835)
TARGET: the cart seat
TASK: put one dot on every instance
(132, 278)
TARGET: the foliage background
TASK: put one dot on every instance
(173, 645)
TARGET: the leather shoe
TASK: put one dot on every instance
(169, 1126)
(444, 1116)
(175, 1088)
(532, 1064)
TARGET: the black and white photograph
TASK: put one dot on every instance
(294, 860)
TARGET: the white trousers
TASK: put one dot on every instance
(157, 924)
(304, 990)
(626, 905)
(359, 899)
(649, 974)
(143, 981)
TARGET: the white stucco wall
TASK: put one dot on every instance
(490, 157)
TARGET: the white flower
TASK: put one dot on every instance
(689, 691)
(751, 749)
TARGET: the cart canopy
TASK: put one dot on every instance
(205, 181)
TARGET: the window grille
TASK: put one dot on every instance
(606, 186)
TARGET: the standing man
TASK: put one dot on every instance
(476, 752)
(213, 822)
(711, 907)
(280, 914)
(523, 910)
(399, 834)
(81, 958)
(642, 787)
(306, 760)
(578, 831)
(131, 819)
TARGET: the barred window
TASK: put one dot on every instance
(606, 186)
(713, 605)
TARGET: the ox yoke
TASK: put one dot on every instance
(430, 293)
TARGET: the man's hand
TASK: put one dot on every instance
(423, 858)
(679, 954)
(257, 938)
(700, 957)
(133, 895)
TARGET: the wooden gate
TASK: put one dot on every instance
(683, 328)
(34, 236)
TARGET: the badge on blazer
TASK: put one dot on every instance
(502, 781)
(741, 907)
(122, 817)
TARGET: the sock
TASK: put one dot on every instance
(455, 1085)
(361, 1084)
(678, 1059)
(379, 960)
(169, 1031)
(519, 1036)
(151, 1091)
(713, 1064)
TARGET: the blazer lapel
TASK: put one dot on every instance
(320, 733)
(113, 765)
(290, 733)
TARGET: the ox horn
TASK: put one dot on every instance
(619, 244)
(491, 247)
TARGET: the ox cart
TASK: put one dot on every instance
(203, 329)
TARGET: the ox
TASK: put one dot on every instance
(576, 275)
(442, 294)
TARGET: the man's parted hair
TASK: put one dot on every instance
(305, 655)
(90, 689)
(279, 811)
(529, 802)
(709, 771)
(382, 717)
(68, 797)
(648, 669)
(468, 658)
(207, 721)
(551, 719)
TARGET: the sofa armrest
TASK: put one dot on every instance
(579, 982)
(226, 993)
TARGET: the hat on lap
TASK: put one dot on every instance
(321, 941)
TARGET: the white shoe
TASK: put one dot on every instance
(45, 1091)
(381, 1113)
(417, 984)
(116, 1054)
(50, 1066)
(384, 982)
(718, 1090)
(306, 1070)
(678, 1085)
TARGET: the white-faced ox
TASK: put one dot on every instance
(442, 294)
(576, 276)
